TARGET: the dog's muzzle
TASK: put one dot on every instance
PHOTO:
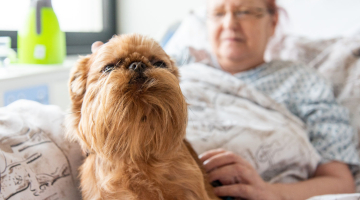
(138, 77)
(138, 67)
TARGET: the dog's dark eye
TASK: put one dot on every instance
(160, 64)
(108, 68)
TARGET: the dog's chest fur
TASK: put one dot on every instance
(154, 180)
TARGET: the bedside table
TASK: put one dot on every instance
(46, 84)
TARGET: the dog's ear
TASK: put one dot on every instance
(77, 88)
(77, 83)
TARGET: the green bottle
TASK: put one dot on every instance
(40, 40)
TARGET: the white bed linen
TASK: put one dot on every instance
(226, 113)
(337, 197)
(36, 162)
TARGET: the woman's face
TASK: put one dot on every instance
(239, 31)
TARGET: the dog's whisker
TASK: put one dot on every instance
(118, 63)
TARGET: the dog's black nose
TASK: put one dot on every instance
(137, 67)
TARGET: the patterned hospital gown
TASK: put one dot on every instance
(307, 95)
(310, 97)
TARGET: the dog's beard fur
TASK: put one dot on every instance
(132, 125)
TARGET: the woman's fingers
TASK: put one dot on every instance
(208, 154)
(226, 175)
(218, 160)
(238, 176)
(236, 190)
(95, 46)
(223, 158)
(233, 174)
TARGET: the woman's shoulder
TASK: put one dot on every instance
(280, 71)
(296, 74)
(288, 64)
(292, 68)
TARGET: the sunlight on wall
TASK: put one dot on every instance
(73, 15)
(322, 18)
(153, 17)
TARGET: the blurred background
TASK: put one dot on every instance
(86, 21)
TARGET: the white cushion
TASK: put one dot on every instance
(36, 162)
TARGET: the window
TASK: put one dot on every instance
(83, 21)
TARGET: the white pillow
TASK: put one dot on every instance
(36, 162)
(192, 32)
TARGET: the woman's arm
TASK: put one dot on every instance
(330, 178)
(240, 179)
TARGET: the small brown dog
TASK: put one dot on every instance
(129, 116)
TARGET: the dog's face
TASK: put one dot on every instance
(126, 99)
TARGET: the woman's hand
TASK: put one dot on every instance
(241, 180)
(238, 177)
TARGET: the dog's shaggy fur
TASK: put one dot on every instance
(132, 123)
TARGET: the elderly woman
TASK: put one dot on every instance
(239, 31)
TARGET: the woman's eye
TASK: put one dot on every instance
(219, 14)
(160, 64)
(108, 68)
(243, 12)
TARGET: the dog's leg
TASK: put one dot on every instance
(208, 187)
(89, 187)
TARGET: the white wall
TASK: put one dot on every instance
(152, 17)
(309, 18)
(322, 18)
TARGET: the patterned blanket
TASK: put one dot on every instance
(36, 162)
(226, 113)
